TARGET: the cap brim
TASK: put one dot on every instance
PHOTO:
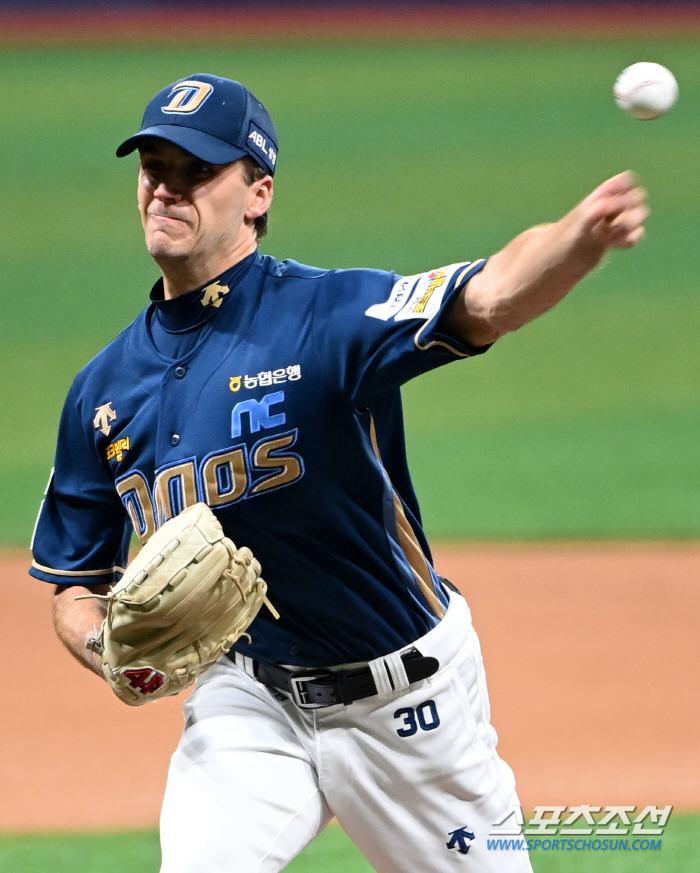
(202, 145)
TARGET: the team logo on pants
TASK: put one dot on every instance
(461, 839)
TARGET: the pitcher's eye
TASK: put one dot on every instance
(200, 172)
(151, 164)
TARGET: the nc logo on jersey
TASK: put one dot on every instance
(105, 414)
(460, 839)
(259, 414)
(187, 97)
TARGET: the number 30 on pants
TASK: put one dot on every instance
(424, 716)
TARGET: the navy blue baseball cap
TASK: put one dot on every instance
(217, 120)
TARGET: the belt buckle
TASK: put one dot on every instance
(300, 695)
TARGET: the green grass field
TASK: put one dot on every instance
(332, 852)
(584, 425)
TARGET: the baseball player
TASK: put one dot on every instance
(271, 392)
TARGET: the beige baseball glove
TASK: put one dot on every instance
(184, 600)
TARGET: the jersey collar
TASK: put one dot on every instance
(192, 310)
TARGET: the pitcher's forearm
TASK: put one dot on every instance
(529, 276)
(539, 267)
(76, 621)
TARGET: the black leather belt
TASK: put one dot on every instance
(311, 690)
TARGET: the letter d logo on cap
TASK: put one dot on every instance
(187, 97)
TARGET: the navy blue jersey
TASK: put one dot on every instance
(273, 395)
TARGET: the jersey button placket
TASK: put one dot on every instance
(179, 373)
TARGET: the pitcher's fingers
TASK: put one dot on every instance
(611, 187)
(628, 226)
(631, 218)
(624, 181)
(609, 207)
(630, 239)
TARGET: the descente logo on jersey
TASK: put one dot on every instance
(105, 414)
(213, 295)
(187, 97)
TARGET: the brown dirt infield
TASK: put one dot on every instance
(591, 654)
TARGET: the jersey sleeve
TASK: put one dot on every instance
(381, 329)
(82, 534)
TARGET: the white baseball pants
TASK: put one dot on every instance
(412, 776)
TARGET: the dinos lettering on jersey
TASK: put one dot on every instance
(187, 97)
(136, 496)
(221, 479)
(174, 489)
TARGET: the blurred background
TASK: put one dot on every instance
(400, 154)
(412, 135)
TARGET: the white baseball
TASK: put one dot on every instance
(646, 90)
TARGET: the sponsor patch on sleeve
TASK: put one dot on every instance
(400, 294)
(418, 296)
